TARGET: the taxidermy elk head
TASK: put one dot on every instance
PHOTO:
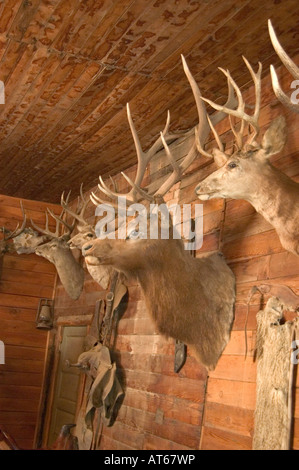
(189, 299)
(248, 174)
(86, 232)
(58, 252)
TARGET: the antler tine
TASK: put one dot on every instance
(199, 145)
(281, 96)
(85, 202)
(216, 135)
(202, 129)
(96, 200)
(113, 184)
(138, 189)
(79, 214)
(59, 221)
(241, 106)
(20, 230)
(45, 230)
(203, 126)
(251, 120)
(231, 102)
(201, 133)
(240, 109)
(178, 169)
(290, 66)
(64, 202)
(256, 77)
(143, 158)
(217, 138)
(238, 134)
(206, 122)
(173, 162)
(17, 231)
(285, 59)
(108, 192)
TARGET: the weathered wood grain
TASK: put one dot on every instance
(217, 439)
(70, 67)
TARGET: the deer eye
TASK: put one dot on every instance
(89, 235)
(133, 235)
(232, 165)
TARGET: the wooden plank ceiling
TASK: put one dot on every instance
(70, 67)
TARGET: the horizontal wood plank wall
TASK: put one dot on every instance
(24, 279)
(164, 410)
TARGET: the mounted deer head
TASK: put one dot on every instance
(291, 67)
(189, 299)
(11, 235)
(58, 252)
(86, 232)
(248, 174)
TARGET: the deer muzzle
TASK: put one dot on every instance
(202, 192)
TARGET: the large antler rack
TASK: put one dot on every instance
(143, 158)
(137, 193)
(239, 112)
(59, 222)
(290, 66)
(81, 207)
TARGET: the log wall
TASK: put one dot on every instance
(24, 279)
(190, 410)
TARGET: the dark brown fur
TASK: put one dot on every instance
(190, 299)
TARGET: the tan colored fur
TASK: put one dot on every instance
(272, 423)
(273, 194)
(70, 272)
(101, 274)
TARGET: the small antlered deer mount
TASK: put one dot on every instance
(86, 232)
(248, 174)
(189, 299)
(58, 252)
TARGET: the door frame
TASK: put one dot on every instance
(50, 376)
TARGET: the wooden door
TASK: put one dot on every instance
(67, 380)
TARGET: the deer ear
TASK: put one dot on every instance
(219, 157)
(275, 137)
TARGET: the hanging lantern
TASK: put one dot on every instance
(44, 317)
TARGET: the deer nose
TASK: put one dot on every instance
(86, 248)
(197, 189)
